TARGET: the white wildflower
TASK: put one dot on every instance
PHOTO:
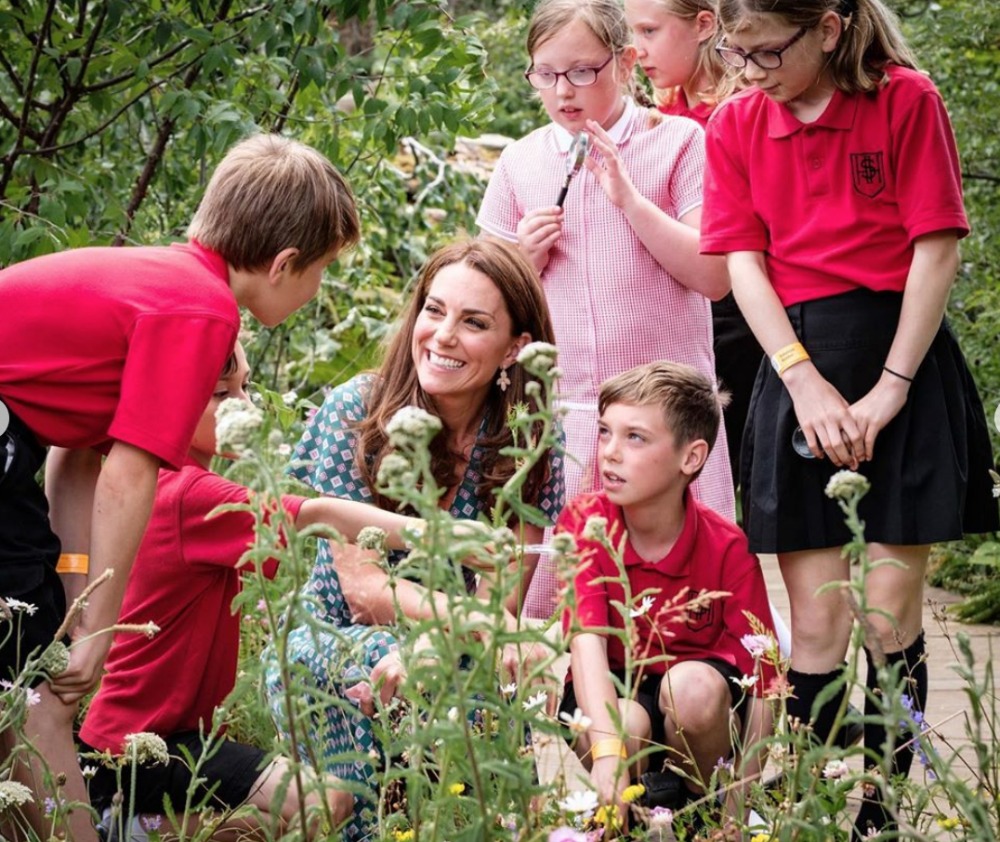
(835, 770)
(844, 485)
(757, 645)
(284, 450)
(412, 427)
(18, 605)
(290, 398)
(535, 701)
(508, 689)
(13, 794)
(745, 682)
(596, 529)
(236, 425)
(146, 748)
(581, 801)
(453, 714)
(538, 358)
(642, 608)
(33, 696)
(88, 772)
(577, 722)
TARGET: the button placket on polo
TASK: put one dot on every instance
(815, 153)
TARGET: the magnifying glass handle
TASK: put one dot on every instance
(562, 193)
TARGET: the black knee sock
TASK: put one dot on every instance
(914, 670)
(808, 686)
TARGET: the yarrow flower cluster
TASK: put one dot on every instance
(395, 469)
(146, 748)
(595, 529)
(13, 794)
(563, 543)
(236, 424)
(372, 538)
(538, 358)
(844, 485)
(412, 428)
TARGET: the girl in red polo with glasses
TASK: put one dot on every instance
(833, 187)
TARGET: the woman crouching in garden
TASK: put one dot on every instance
(475, 305)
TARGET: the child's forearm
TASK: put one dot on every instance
(70, 483)
(674, 245)
(123, 499)
(349, 517)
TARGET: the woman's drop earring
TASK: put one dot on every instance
(503, 381)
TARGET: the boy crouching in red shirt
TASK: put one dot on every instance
(184, 579)
(689, 668)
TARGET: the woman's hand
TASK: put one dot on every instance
(385, 679)
(878, 408)
(611, 174)
(825, 417)
(537, 232)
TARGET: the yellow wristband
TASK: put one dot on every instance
(784, 358)
(73, 563)
(608, 748)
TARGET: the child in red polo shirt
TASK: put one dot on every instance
(833, 186)
(690, 669)
(186, 574)
(114, 352)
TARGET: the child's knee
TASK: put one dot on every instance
(700, 701)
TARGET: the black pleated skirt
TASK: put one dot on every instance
(929, 475)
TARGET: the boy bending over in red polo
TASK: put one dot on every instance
(657, 425)
(114, 352)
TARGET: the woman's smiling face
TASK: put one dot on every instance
(463, 334)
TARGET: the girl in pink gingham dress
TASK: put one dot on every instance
(619, 262)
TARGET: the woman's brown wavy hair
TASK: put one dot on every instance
(396, 384)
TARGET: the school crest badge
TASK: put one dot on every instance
(868, 173)
(700, 617)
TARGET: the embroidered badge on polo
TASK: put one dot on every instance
(867, 173)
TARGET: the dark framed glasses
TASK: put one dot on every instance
(764, 59)
(578, 77)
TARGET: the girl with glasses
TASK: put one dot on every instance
(833, 187)
(675, 42)
(619, 261)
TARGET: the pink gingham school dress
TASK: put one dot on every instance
(613, 306)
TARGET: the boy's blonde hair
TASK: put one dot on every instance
(270, 193)
(871, 38)
(691, 406)
(721, 79)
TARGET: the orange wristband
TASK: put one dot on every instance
(608, 748)
(73, 563)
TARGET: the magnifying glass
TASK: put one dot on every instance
(574, 160)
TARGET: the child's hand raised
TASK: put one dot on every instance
(537, 232)
(611, 173)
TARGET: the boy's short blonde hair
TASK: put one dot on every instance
(691, 406)
(270, 193)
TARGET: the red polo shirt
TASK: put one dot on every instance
(102, 344)
(710, 554)
(184, 579)
(835, 204)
